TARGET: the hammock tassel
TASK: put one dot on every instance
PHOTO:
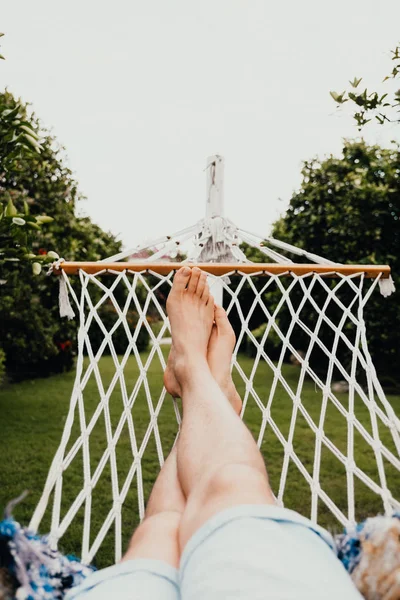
(387, 286)
(66, 309)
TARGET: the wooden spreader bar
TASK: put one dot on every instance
(163, 268)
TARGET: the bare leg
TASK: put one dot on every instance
(219, 353)
(157, 536)
(219, 464)
(220, 349)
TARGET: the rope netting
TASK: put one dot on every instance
(310, 392)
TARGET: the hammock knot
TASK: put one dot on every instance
(351, 465)
(289, 449)
(267, 414)
(297, 401)
(377, 446)
(386, 495)
(215, 241)
(315, 487)
(55, 266)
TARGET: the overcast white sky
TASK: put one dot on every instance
(141, 92)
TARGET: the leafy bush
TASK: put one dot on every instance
(35, 340)
(348, 210)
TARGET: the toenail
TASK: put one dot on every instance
(186, 271)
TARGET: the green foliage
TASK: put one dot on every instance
(2, 365)
(19, 139)
(348, 210)
(36, 341)
(17, 232)
(371, 105)
(1, 56)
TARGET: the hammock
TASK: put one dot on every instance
(121, 424)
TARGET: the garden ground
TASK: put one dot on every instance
(34, 413)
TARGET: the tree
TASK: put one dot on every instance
(35, 340)
(18, 140)
(348, 210)
(383, 108)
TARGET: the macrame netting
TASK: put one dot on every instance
(119, 415)
(329, 435)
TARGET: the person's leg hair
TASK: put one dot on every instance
(219, 463)
(157, 535)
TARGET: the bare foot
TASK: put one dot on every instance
(190, 308)
(220, 348)
(170, 381)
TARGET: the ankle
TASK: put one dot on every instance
(189, 367)
(231, 393)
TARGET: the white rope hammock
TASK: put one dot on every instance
(142, 288)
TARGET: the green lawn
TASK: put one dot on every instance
(34, 412)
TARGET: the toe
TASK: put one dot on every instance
(201, 284)
(220, 315)
(181, 279)
(194, 279)
(206, 293)
(221, 320)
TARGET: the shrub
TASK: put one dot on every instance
(2, 365)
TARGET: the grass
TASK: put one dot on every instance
(34, 413)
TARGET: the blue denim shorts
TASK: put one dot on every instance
(242, 553)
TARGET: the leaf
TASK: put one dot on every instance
(18, 221)
(355, 82)
(29, 131)
(36, 268)
(31, 140)
(11, 211)
(2, 57)
(44, 219)
(339, 98)
(32, 225)
(11, 113)
(26, 207)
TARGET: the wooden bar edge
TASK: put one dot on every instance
(163, 268)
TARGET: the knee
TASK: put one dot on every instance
(237, 481)
(156, 538)
(162, 524)
(228, 486)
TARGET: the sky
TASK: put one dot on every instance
(142, 92)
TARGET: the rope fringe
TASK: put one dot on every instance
(387, 286)
(66, 309)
